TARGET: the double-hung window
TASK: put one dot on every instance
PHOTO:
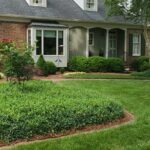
(136, 45)
(50, 42)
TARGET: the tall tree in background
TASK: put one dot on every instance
(136, 10)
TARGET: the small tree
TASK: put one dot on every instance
(17, 62)
(135, 10)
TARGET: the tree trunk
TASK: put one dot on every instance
(147, 39)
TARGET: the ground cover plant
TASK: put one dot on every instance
(41, 107)
(144, 74)
(81, 75)
(134, 95)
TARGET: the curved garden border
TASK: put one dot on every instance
(128, 117)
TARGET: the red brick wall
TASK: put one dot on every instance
(14, 31)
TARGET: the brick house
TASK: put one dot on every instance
(61, 29)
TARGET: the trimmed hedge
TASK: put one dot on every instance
(44, 107)
(78, 63)
(140, 64)
(114, 65)
(96, 64)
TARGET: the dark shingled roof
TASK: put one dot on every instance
(56, 9)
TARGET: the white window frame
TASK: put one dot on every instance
(94, 8)
(138, 52)
(43, 3)
(37, 4)
(57, 44)
(91, 44)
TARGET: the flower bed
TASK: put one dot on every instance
(44, 107)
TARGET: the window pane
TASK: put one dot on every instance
(29, 37)
(38, 42)
(136, 45)
(60, 42)
(90, 3)
(49, 42)
(91, 39)
(136, 38)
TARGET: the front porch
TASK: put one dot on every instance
(98, 41)
(107, 43)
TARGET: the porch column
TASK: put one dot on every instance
(87, 43)
(107, 43)
(125, 45)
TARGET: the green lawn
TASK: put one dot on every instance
(133, 94)
(102, 76)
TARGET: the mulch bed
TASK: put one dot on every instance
(127, 118)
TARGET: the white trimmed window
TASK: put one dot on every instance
(40, 3)
(136, 45)
(91, 39)
(50, 42)
(36, 2)
(90, 4)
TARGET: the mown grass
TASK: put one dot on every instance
(104, 76)
(133, 94)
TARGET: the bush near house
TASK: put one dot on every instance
(46, 67)
(140, 64)
(17, 61)
(144, 74)
(113, 65)
(44, 107)
(79, 63)
(96, 64)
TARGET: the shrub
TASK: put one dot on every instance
(145, 66)
(62, 70)
(96, 63)
(17, 63)
(41, 63)
(46, 66)
(140, 64)
(50, 68)
(78, 63)
(45, 107)
(113, 65)
(145, 74)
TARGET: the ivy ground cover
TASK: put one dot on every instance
(41, 107)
